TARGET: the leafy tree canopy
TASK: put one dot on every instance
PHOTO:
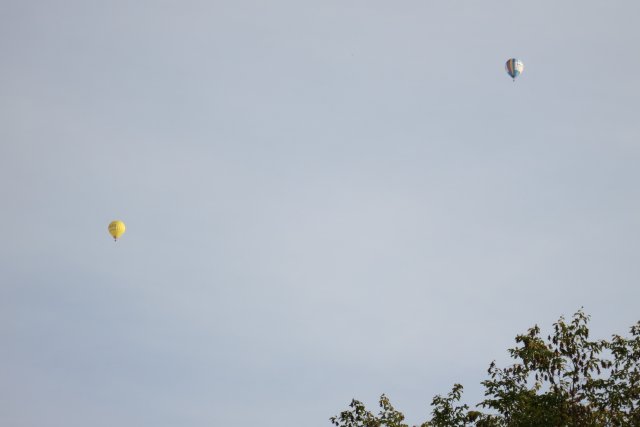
(565, 379)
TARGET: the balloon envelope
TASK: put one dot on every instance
(116, 229)
(514, 67)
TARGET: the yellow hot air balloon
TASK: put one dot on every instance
(116, 229)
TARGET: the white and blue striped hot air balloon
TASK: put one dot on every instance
(514, 67)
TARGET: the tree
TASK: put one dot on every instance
(566, 379)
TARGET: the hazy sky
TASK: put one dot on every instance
(324, 200)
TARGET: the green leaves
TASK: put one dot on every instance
(446, 412)
(358, 416)
(565, 379)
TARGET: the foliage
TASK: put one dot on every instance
(566, 379)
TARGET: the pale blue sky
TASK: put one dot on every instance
(324, 200)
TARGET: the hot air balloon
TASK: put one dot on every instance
(514, 67)
(116, 229)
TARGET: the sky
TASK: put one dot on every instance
(323, 200)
